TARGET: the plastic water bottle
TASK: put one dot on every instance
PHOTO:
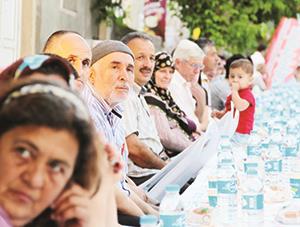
(273, 165)
(227, 189)
(254, 159)
(149, 221)
(171, 209)
(252, 196)
(292, 209)
(289, 149)
(276, 136)
(225, 155)
(289, 154)
(212, 191)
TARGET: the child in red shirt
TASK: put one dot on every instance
(240, 80)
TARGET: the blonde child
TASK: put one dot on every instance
(240, 80)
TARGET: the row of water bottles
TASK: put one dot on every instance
(233, 188)
(278, 123)
(269, 164)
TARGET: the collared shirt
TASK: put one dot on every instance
(107, 121)
(181, 92)
(137, 119)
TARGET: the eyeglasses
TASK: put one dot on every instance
(33, 62)
(195, 65)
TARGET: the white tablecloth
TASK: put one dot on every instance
(196, 196)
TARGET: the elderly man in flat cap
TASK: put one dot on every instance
(111, 76)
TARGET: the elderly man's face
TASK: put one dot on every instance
(75, 49)
(211, 61)
(112, 76)
(190, 68)
(144, 54)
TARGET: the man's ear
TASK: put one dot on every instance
(92, 76)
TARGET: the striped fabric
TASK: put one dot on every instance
(107, 121)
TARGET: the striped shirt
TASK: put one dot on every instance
(107, 121)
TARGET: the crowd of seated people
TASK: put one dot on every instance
(82, 127)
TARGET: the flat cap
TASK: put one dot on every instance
(106, 47)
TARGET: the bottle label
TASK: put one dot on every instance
(253, 202)
(273, 166)
(212, 184)
(227, 187)
(290, 152)
(226, 161)
(295, 187)
(212, 200)
(212, 191)
(250, 166)
(254, 152)
(175, 220)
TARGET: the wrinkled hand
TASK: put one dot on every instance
(197, 91)
(111, 165)
(114, 165)
(71, 208)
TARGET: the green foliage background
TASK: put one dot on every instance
(237, 25)
(105, 10)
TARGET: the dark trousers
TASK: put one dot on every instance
(128, 220)
(140, 180)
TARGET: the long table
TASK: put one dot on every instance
(196, 196)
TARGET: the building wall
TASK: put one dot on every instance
(9, 31)
(64, 14)
(41, 18)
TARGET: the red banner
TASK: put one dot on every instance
(155, 17)
(283, 54)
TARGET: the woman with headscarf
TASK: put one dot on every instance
(175, 130)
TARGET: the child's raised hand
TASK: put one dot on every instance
(235, 86)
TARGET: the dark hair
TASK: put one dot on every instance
(261, 47)
(229, 61)
(204, 42)
(55, 35)
(135, 35)
(50, 64)
(41, 103)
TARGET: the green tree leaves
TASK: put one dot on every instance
(108, 10)
(237, 25)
